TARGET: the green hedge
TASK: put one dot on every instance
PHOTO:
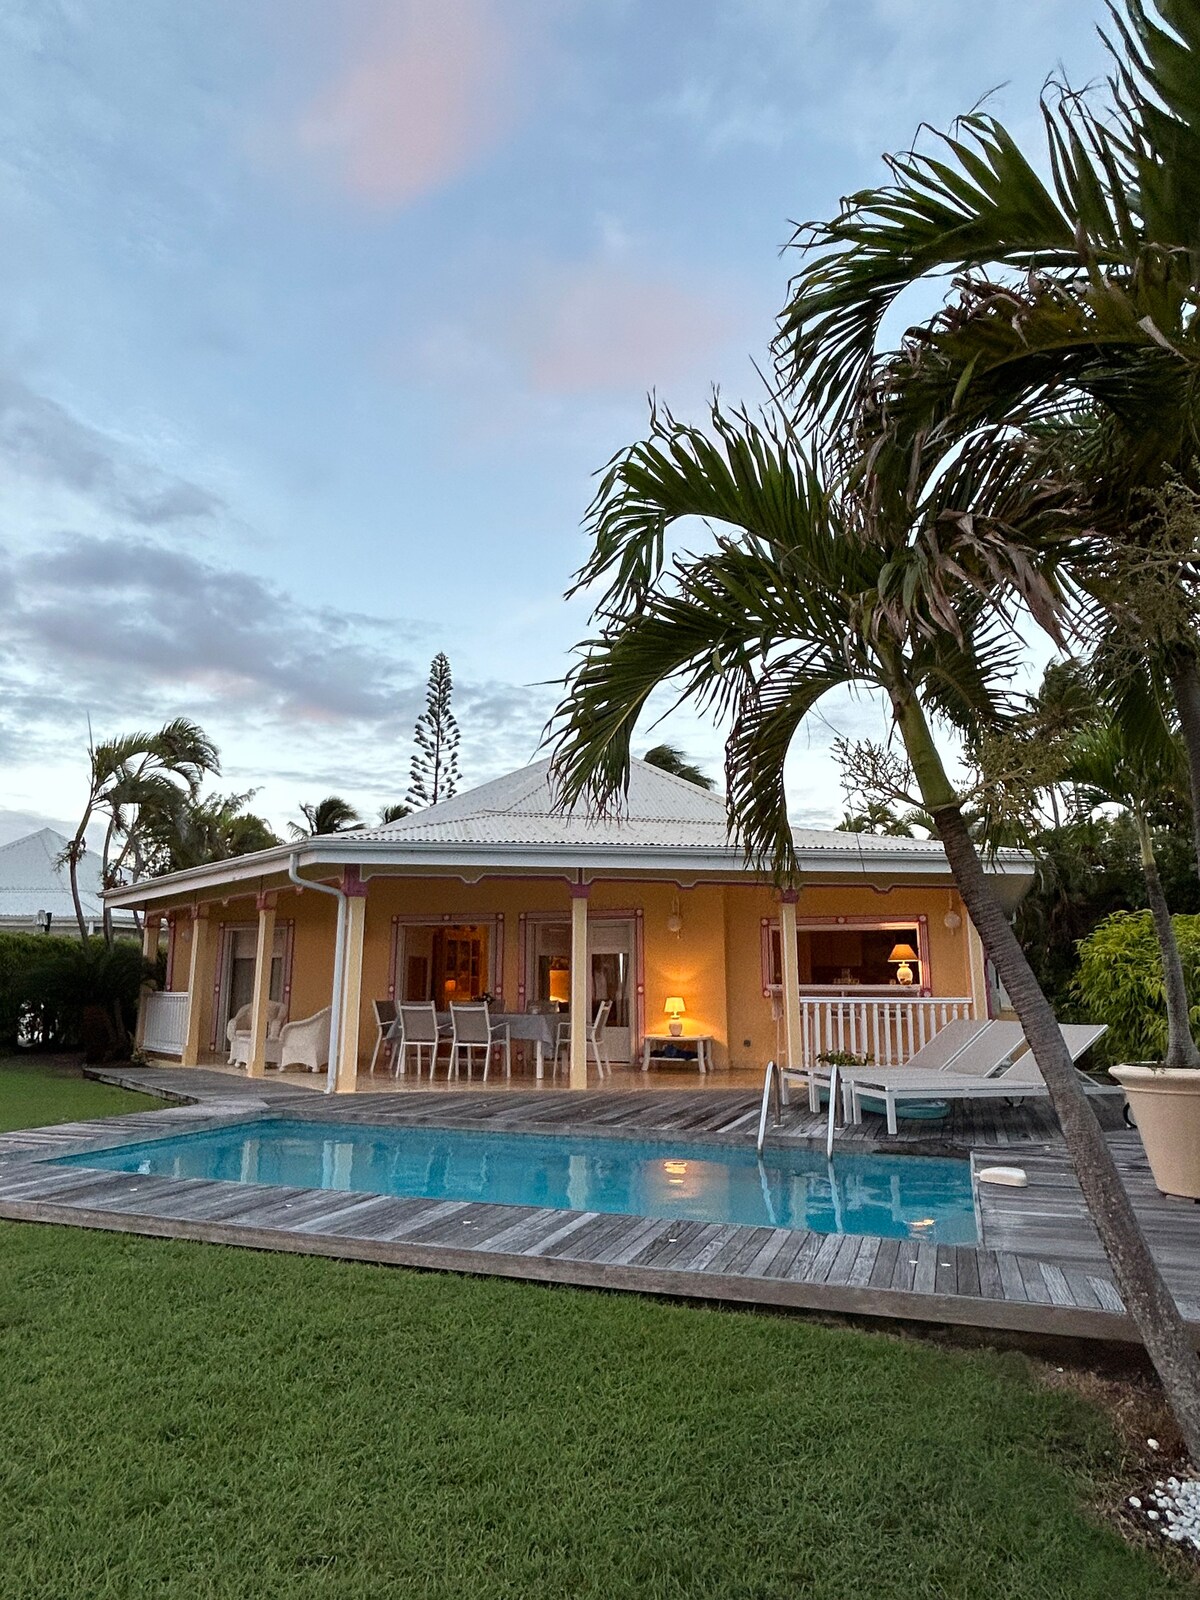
(48, 983)
(1120, 982)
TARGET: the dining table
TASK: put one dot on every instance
(531, 1027)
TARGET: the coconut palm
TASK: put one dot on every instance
(811, 591)
(125, 774)
(182, 832)
(669, 758)
(331, 815)
(877, 816)
(393, 813)
(1077, 295)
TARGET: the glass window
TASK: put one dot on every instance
(843, 956)
(445, 962)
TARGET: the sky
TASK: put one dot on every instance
(318, 318)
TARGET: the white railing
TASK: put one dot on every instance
(164, 1022)
(889, 1029)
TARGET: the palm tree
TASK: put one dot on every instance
(1109, 767)
(331, 815)
(184, 832)
(668, 758)
(876, 816)
(1076, 295)
(393, 813)
(811, 591)
(127, 774)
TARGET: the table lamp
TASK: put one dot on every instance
(674, 1008)
(902, 954)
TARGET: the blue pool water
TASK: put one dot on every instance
(896, 1196)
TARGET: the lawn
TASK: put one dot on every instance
(35, 1091)
(181, 1420)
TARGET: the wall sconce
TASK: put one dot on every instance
(952, 920)
(675, 921)
(901, 955)
(674, 1008)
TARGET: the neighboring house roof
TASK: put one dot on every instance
(31, 880)
(664, 825)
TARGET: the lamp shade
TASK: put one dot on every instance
(560, 985)
(674, 1005)
(902, 952)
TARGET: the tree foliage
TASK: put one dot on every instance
(434, 773)
(669, 758)
(1120, 982)
(182, 832)
(331, 815)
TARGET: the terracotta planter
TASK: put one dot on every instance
(1165, 1104)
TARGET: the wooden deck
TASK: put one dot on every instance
(1035, 1269)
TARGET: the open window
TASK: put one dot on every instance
(837, 954)
(445, 962)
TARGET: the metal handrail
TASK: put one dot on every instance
(773, 1080)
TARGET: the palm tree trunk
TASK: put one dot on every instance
(1147, 1298)
(1183, 671)
(1181, 1046)
(74, 851)
(106, 915)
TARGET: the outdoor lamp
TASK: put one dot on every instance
(673, 1008)
(902, 954)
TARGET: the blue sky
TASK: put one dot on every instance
(318, 316)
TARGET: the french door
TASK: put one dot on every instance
(611, 978)
(611, 969)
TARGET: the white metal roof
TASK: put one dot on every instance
(31, 880)
(665, 826)
(520, 809)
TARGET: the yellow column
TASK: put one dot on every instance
(151, 925)
(977, 960)
(579, 984)
(790, 979)
(263, 950)
(346, 1081)
(199, 979)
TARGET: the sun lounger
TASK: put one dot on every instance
(1017, 1080)
(947, 1043)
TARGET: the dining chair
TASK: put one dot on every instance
(416, 1028)
(385, 1018)
(595, 1040)
(472, 1029)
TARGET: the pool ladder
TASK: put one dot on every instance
(774, 1095)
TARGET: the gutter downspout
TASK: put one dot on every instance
(339, 961)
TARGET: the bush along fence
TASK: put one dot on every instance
(60, 994)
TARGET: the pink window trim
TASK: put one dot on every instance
(770, 925)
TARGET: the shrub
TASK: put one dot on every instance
(1120, 982)
(49, 985)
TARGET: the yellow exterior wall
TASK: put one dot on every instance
(714, 961)
(752, 1030)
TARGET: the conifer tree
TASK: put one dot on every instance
(434, 773)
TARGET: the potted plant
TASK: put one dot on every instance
(1121, 980)
(1133, 972)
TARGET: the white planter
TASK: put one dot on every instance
(1165, 1104)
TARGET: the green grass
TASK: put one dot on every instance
(190, 1422)
(35, 1092)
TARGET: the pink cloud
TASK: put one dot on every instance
(602, 327)
(425, 91)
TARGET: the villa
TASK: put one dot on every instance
(652, 910)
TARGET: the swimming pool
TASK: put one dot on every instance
(895, 1196)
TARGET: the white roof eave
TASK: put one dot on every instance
(660, 860)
